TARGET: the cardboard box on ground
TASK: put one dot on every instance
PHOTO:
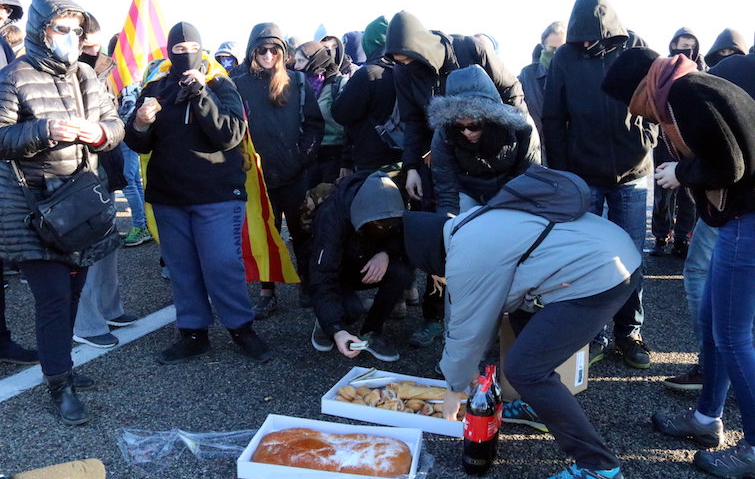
(573, 371)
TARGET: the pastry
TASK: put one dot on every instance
(349, 392)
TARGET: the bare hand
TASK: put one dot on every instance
(665, 175)
(375, 268)
(146, 115)
(414, 184)
(89, 132)
(342, 339)
(451, 405)
(194, 75)
(62, 130)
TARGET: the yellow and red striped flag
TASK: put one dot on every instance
(142, 40)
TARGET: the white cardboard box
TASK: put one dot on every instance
(246, 469)
(382, 416)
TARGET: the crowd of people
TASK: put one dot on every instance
(381, 150)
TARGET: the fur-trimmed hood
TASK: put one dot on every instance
(470, 93)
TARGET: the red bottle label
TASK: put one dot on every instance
(480, 428)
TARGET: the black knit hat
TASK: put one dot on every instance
(423, 241)
(627, 72)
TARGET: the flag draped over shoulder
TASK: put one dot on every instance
(266, 257)
(142, 40)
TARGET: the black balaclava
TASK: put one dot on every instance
(183, 32)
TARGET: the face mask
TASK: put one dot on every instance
(66, 48)
(687, 52)
(181, 62)
(88, 59)
(228, 63)
(546, 57)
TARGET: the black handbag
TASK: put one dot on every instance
(75, 216)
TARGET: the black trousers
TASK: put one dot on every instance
(56, 288)
(550, 336)
(390, 290)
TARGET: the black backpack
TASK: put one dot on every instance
(558, 196)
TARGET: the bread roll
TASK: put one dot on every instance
(346, 453)
(427, 393)
(349, 392)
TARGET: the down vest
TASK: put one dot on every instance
(35, 89)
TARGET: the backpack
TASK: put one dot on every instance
(391, 131)
(558, 196)
(312, 200)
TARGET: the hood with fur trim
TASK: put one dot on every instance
(470, 93)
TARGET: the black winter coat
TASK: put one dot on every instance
(366, 101)
(35, 89)
(195, 159)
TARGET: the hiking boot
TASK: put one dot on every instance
(575, 472)
(137, 236)
(379, 347)
(519, 412)
(680, 248)
(659, 248)
(122, 320)
(737, 461)
(266, 305)
(104, 341)
(193, 344)
(424, 337)
(691, 380)
(251, 345)
(321, 341)
(411, 296)
(81, 382)
(685, 425)
(634, 351)
(14, 353)
(63, 393)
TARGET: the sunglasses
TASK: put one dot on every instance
(473, 127)
(263, 50)
(64, 30)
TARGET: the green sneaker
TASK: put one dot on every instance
(137, 236)
(424, 337)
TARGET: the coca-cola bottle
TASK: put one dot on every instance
(480, 429)
(495, 388)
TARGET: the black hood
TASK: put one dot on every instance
(696, 57)
(318, 58)
(729, 38)
(38, 52)
(352, 44)
(264, 33)
(181, 62)
(595, 20)
(423, 241)
(407, 36)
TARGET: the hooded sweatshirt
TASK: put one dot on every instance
(35, 89)
(729, 38)
(586, 131)
(460, 166)
(694, 55)
(352, 44)
(337, 245)
(322, 69)
(366, 101)
(286, 137)
(231, 49)
(435, 55)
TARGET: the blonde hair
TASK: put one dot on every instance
(279, 79)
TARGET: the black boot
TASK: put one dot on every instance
(63, 393)
(14, 353)
(251, 344)
(82, 383)
(193, 343)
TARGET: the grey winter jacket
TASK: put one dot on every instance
(457, 165)
(576, 260)
(34, 89)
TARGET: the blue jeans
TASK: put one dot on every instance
(201, 244)
(134, 191)
(696, 268)
(727, 315)
(627, 207)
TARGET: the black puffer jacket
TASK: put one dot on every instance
(286, 137)
(586, 131)
(34, 89)
(435, 55)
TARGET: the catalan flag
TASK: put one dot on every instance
(266, 257)
(142, 40)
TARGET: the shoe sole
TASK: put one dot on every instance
(182, 360)
(597, 358)
(263, 359)
(535, 425)
(128, 245)
(318, 346)
(93, 344)
(683, 387)
(636, 365)
(76, 422)
(382, 357)
(120, 325)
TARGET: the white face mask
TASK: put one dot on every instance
(66, 48)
